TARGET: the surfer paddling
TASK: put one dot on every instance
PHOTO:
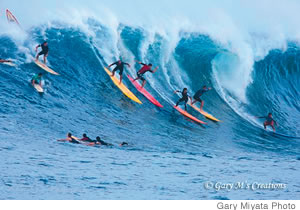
(37, 79)
(70, 139)
(45, 51)
(5, 61)
(119, 67)
(269, 121)
(143, 70)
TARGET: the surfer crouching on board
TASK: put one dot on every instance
(5, 61)
(119, 67)
(185, 97)
(143, 70)
(37, 79)
(269, 121)
(198, 94)
(45, 51)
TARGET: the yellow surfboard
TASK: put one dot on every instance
(46, 68)
(205, 114)
(122, 87)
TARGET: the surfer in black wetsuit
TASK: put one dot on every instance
(70, 139)
(119, 67)
(98, 141)
(45, 51)
(198, 94)
(185, 97)
(269, 121)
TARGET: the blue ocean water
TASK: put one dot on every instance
(168, 157)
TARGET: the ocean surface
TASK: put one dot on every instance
(169, 156)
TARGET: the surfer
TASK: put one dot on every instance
(45, 51)
(143, 70)
(70, 139)
(198, 94)
(119, 67)
(37, 79)
(86, 138)
(123, 144)
(5, 61)
(185, 97)
(98, 141)
(269, 121)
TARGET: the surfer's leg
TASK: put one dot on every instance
(202, 103)
(113, 71)
(179, 101)
(121, 77)
(185, 102)
(265, 125)
(144, 82)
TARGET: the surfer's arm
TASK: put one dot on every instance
(140, 63)
(127, 64)
(177, 91)
(36, 48)
(154, 70)
(261, 117)
(113, 64)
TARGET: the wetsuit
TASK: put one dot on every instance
(37, 79)
(45, 49)
(199, 93)
(184, 98)
(119, 67)
(143, 70)
(87, 139)
(74, 141)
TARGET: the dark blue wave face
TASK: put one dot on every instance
(165, 149)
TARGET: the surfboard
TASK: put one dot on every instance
(186, 114)
(9, 64)
(205, 114)
(38, 88)
(144, 92)
(46, 68)
(11, 18)
(122, 87)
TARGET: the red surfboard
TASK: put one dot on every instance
(11, 18)
(184, 113)
(144, 92)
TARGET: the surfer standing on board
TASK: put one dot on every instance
(119, 67)
(143, 70)
(269, 121)
(45, 51)
(37, 79)
(198, 94)
(185, 97)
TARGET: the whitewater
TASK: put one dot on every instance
(248, 52)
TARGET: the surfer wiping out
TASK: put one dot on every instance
(143, 70)
(269, 121)
(119, 67)
(45, 51)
